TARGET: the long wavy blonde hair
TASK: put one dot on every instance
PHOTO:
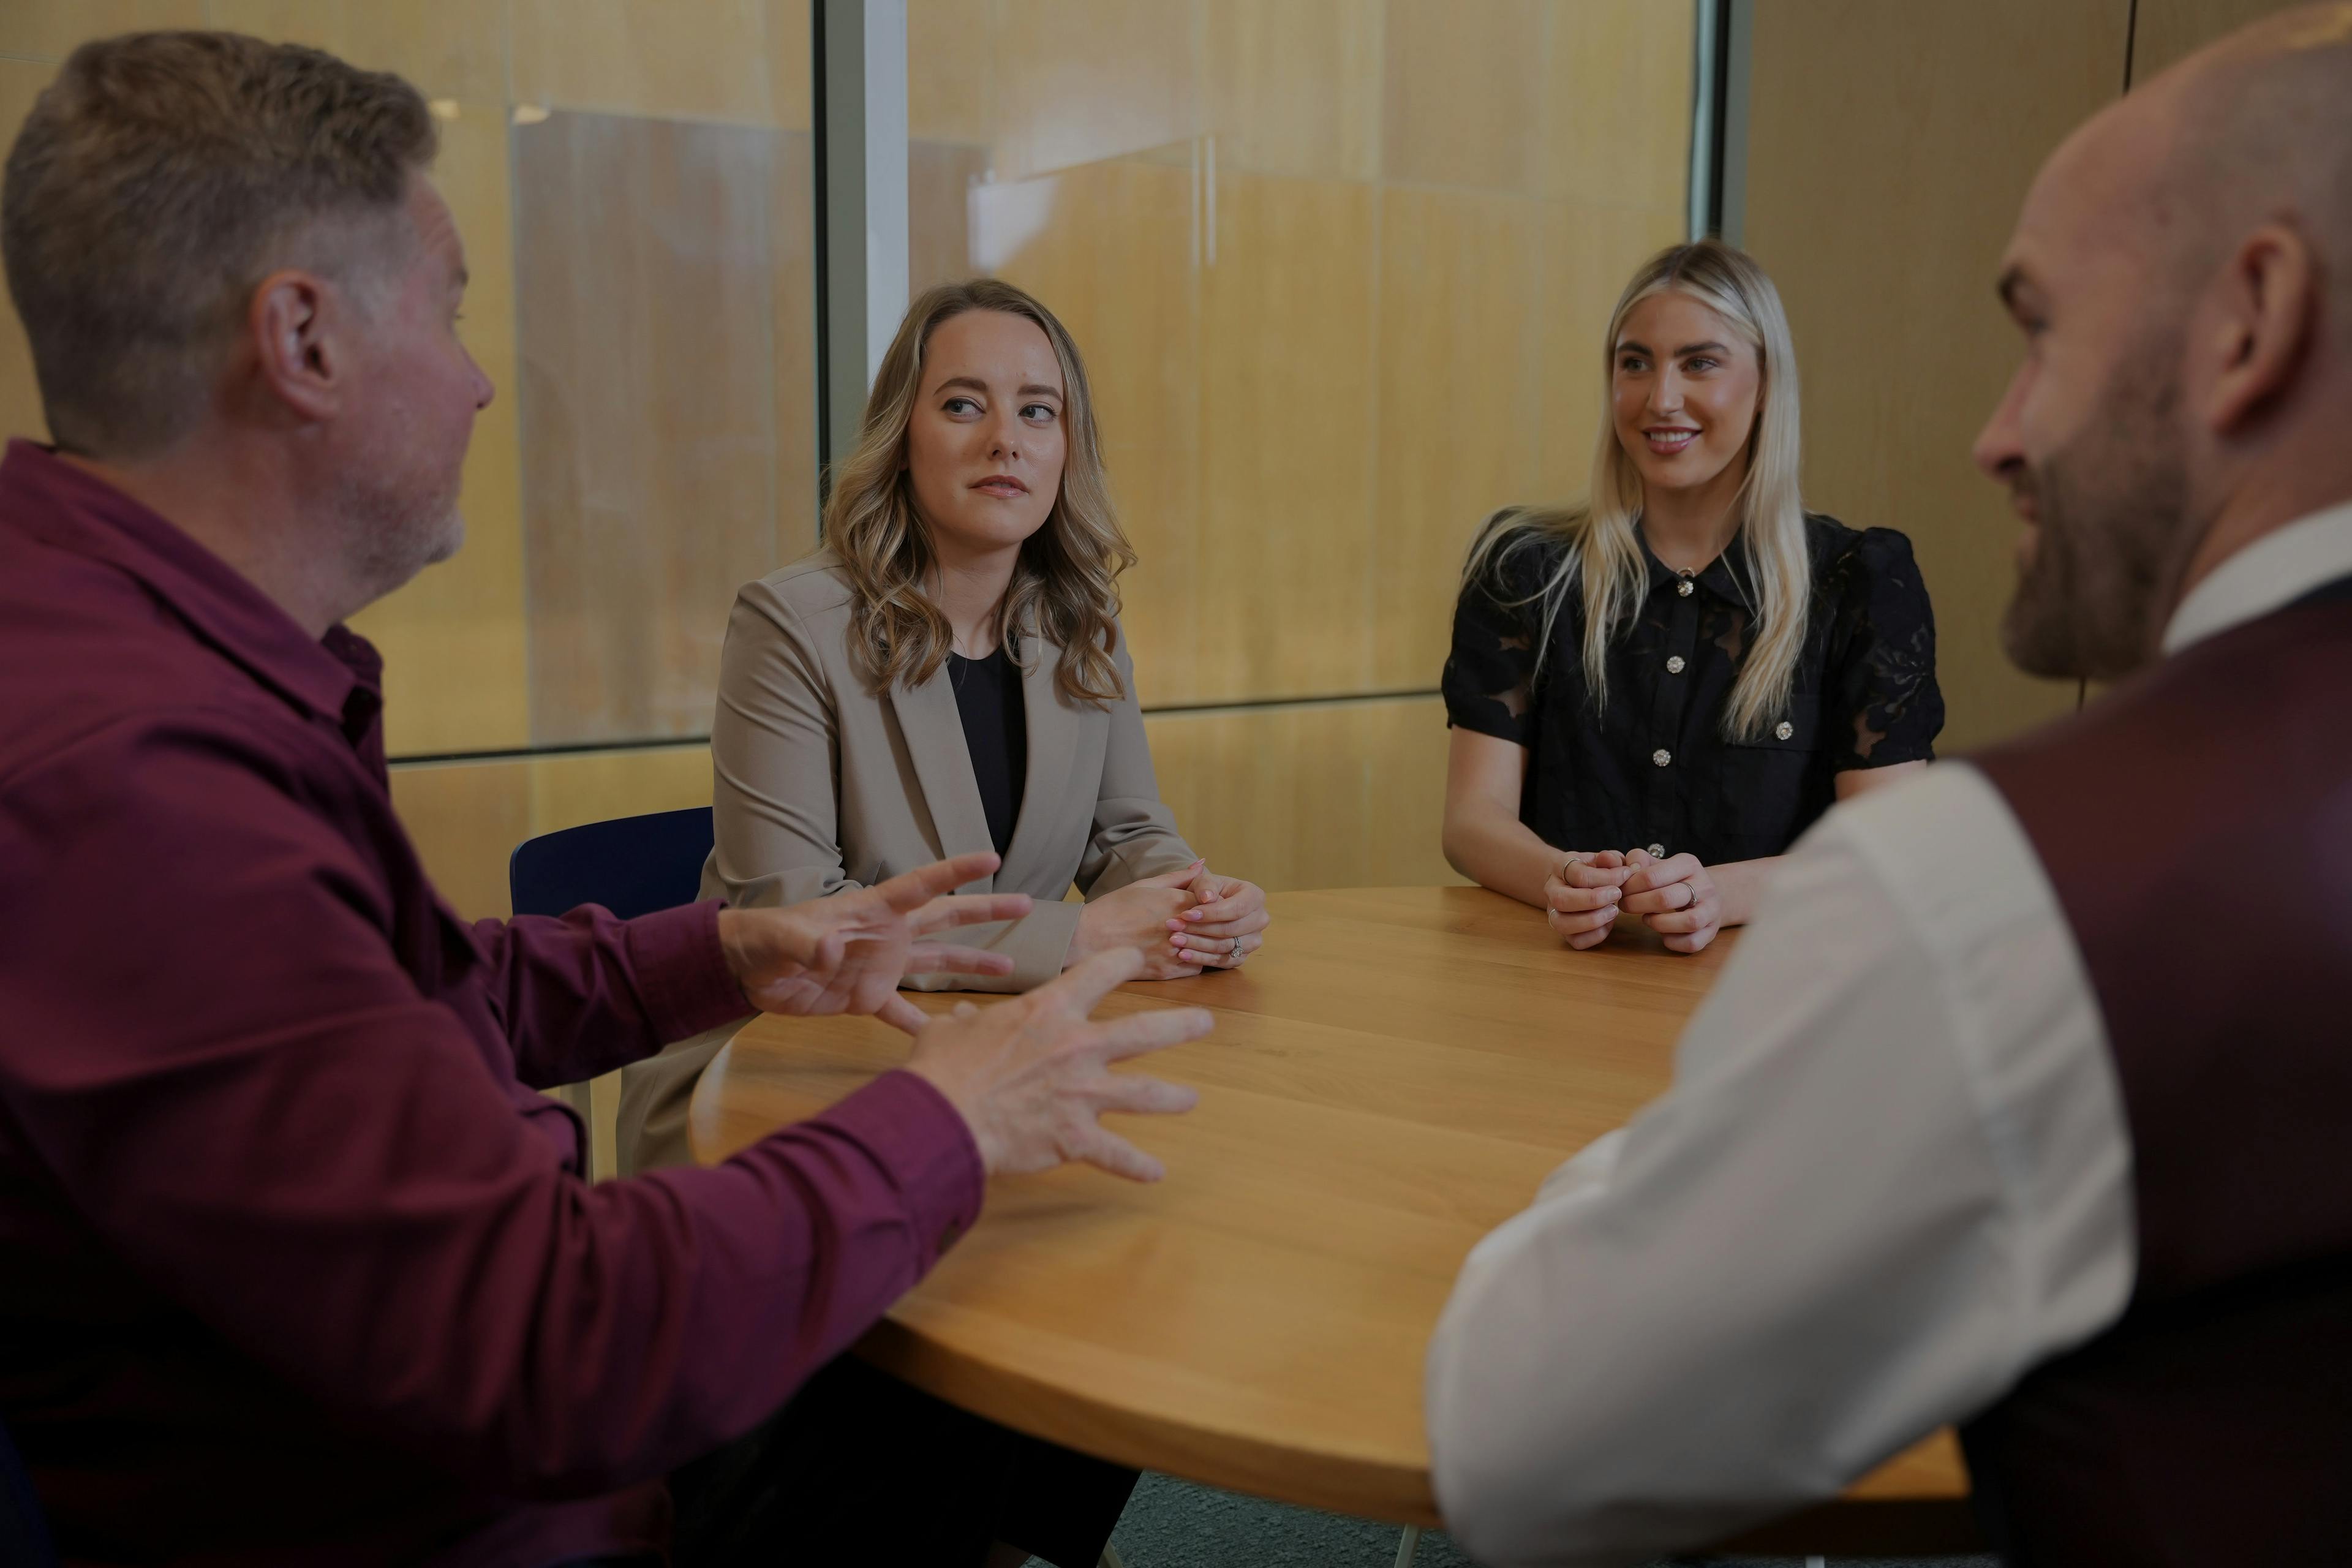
(1599, 552)
(1065, 585)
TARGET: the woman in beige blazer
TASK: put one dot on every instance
(948, 675)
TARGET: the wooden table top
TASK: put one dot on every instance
(1388, 1079)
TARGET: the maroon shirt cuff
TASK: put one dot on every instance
(682, 972)
(918, 1135)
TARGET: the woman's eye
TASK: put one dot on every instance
(1041, 412)
(1700, 362)
(959, 405)
(1633, 362)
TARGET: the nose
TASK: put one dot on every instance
(1999, 446)
(1666, 391)
(484, 390)
(1004, 433)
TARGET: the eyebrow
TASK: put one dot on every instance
(1028, 389)
(1686, 349)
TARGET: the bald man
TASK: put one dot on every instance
(2024, 1104)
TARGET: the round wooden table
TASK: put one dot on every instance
(1388, 1079)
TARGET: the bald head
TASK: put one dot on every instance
(2182, 268)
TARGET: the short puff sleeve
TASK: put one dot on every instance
(1879, 700)
(1490, 672)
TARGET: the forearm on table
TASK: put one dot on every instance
(1499, 851)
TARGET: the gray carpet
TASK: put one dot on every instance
(1171, 1523)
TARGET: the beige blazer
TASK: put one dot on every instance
(818, 785)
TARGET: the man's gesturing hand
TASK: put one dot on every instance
(1032, 1075)
(847, 953)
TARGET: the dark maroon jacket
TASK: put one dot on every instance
(296, 1265)
(2197, 824)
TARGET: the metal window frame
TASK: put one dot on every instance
(858, 59)
(1718, 160)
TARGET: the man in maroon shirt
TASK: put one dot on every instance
(296, 1264)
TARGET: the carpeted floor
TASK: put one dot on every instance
(1171, 1523)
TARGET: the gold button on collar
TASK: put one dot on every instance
(1683, 587)
(1674, 665)
(1783, 729)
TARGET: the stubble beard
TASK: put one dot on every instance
(2112, 508)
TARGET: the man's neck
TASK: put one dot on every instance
(243, 512)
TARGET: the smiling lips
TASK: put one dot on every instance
(1668, 440)
(1004, 487)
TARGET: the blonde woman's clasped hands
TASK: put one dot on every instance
(1676, 896)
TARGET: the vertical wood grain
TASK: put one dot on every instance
(1464, 83)
(1113, 260)
(1458, 409)
(20, 395)
(454, 639)
(445, 48)
(1287, 547)
(1294, 86)
(2167, 31)
(52, 29)
(646, 277)
(1082, 80)
(1887, 264)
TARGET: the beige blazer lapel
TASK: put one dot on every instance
(934, 735)
(1054, 731)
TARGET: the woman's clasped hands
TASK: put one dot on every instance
(1182, 922)
(1675, 897)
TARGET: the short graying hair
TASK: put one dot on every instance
(156, 182)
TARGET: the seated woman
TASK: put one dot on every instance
(948, 674)
(1651, 694)
(948, 670)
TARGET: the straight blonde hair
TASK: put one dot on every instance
(1600, 552)
(1065, 585)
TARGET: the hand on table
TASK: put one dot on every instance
(1032, 1076)
(1675, 897)
(1583, 898)
(1138, 918)
(847, 953)
(1224, 926)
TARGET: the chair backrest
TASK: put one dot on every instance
(631, 865)
(24, 1534)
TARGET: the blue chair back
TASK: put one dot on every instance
(24, 1534)
(631, 865)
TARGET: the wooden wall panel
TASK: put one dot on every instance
(691, 59)
(1616, 102)
(1342, 794)
(452, 49)
(647, 273)
(1295, 86)
(1115, 263)
(20, 396)
(1081, 80)
(940, 176)
(1286, 541)
(1463, 87)
(951, 71)
(52, 29)
(1886, 263)
(1458, 428)
(456, 676)
(2166, 31)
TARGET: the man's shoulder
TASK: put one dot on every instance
(91, 666)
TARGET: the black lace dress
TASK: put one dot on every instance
(1652, 769)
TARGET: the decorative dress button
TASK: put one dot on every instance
(1683, 587)
(1674, 665)
(1657, 852)
(1662, 756)
(1783, 729)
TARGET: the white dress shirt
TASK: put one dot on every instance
(1893, 1175)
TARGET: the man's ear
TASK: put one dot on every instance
(2260, 332)
(298, 357)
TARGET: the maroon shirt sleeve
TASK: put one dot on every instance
(230, 1078)
(587, 993)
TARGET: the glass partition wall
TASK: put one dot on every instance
(1338, 268)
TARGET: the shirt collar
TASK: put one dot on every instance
(1726, 576)
(338, 677)
(2268, 575)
